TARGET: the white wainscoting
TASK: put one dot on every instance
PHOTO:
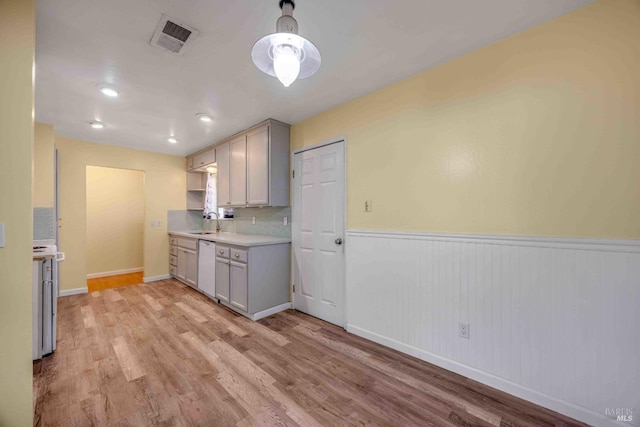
(554, 321)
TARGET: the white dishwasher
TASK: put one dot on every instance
(207, 267)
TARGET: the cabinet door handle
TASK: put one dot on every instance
(221, 252)
(338, 241)
(237, 255)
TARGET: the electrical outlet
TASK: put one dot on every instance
(368, 205)
(1, 235)
(253, 220)
(463, 330)
(158, 223)
(285, 221)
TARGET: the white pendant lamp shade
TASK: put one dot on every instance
(285, 54)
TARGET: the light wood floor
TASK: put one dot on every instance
(117, 281)
(160, 354)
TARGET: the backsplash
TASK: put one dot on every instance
(269, 221)
(44, 223)
(184, 220)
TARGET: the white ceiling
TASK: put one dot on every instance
(365, 45)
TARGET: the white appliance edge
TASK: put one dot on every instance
(546, 315)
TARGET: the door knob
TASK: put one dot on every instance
(338, 241)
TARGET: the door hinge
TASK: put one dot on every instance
(294, 289)
(293, 173)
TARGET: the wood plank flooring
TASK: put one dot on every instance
(116, 281)
(161, 354)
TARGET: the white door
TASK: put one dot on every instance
(318, 231)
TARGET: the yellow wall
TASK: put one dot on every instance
(43, 166)
(115, 219)
(538, 134)
(17, 49)
(165, 186)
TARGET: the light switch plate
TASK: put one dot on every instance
(1, 235)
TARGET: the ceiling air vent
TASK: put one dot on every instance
(172, 36)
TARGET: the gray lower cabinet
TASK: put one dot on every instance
(253, 281)
(222, 278)
(185, 268)
(238, 284)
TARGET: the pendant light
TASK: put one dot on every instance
(284, 54)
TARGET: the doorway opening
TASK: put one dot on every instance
(115, 227)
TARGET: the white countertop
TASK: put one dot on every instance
(245, 240)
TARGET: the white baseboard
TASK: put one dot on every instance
(259, 315)
(156, 278)
(268, 312)
(69, 292)
(114, 273)
(501, 384)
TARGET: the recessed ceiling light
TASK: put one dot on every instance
(109, 91)
(204, 117)
(172, 140)
(96, 125)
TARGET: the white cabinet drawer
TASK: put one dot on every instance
(191, 244)
(222, 251)
(173, 241)
(173, 260)
(173, 250)
(239, 255)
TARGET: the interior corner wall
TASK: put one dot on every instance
(115, 220)
(17, 50)
(43, 166)
(535, 135)
(165, 187)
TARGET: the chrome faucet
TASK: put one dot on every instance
(217, 221)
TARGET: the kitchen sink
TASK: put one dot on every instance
(201, 232)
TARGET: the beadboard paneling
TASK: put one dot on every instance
(554, 321)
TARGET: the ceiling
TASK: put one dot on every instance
(365, 45)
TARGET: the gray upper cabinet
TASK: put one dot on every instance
(199, 161)
(238, 170)
(222, 157)
(190, 162)
(258, 167)
(253, 167)
(205, 158)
